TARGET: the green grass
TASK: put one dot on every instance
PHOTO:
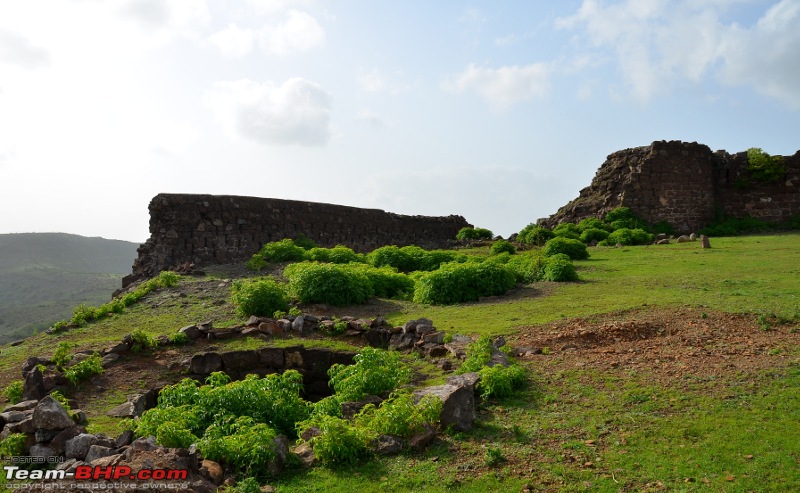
(738, 275)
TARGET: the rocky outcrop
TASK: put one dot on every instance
(685, 184)
(211, 229)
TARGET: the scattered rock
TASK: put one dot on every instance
(705, 243)
(49, 414)
(387, 445)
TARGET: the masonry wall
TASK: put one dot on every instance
(685, 184)
(209, 229)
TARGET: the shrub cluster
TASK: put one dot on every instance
(467, 233)
(344, 284)
(627, 236)
(77, 373)
(534, 235)
(573, 248)
(83, 314)
(411, 258)
(13, 393)
(496, 381)
(502, 246)
(456, 283)
(259, 297)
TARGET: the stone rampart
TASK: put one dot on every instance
(685, 184)
(212, 229)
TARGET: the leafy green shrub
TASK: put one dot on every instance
(337, 255)
(411, 258)
(294, 311)
(247, 485)
(624, 218)
(575, 249)
(559, 268)
(77, 373)
(62, 399)
(339, 442)
(240, 442)
(167, 279)
(398, 415)
(467, 233)
(179, 339)
(500, 381)
(534, 235)
(259, 297)
(456, 283)
(257, 262)
(592, 223)
(282, 251)
(304, 242)
(627, 236)
(62, 354)
(763, 167)
(501, 246)
(567, 230)
(82, 314)
(527, 267)
(593, 234)
(385, 282)
(479, 353)
(13, 445)
(375, 371)
(13, 393)
(142, 341)
(332, 284)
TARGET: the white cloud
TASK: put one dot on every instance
(267, 7)
(18, 50)
(167, 19)
(233, 41)
(366, 115)
(659, 45)
(504, 86)
(295, 113)
(300, 32)
(376, 81)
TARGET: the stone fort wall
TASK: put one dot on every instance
(685, 184)
(210, 229)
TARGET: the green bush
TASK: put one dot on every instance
(77, 373)
(385, 282)
(592, 223)
(259, 297)
(13, 445)
(763, 167)
(567, 230)
(467, 233)
(624, 218)
(336, 255)
(411, 258)
(575, 249)
(479, 353)
(501, 246)
(179, 339)
(527, 267)
(534, 235)
(500, 381)
(339, 442)
(332, 284)
(559, 268)
(375, 371)
(627, 236)
(456, 283)
(13, 393)
(62, 354)
(142, 341)
(398, 415)
(257, 262)
(282, 251)
(593, 234)
(304, 242)
(239, 442)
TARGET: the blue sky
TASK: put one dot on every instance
(497, 111)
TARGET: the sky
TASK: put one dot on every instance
(499, 111)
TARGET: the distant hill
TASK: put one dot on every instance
(44, 275)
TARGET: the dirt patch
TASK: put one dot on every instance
(668, 343)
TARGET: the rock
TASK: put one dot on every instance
(662, 236)
(693, 237)
(124, 410)
(59, 442)
(44, 436)
(387, 445)
(125, 438)
(378, 338)
(21, 406)
(458, 404)
(705, 243)
(378, 322)
(271, 357)
(437, 351)
(78, 446)
(350, 409)
(434, 337)
(43, 451)
(468, 380)
(98, 451)
(421, 440)
(121, 348)
(310, 432)
(402, 342)
(445, 364)
(305, 453)
(665, 241)
(270, 328)
(109, 359)
(191, 331)
(298, 324)
(25, 426)
(253, 321)
(205, 363)
(32, 363)
(33, 388)
(204, 326)
(240, 360)
(281, 448)
(285, 324)
(212, 471)
(224, 333)
(49, 414)
(9, 417)
(683, 239)
(108, 460)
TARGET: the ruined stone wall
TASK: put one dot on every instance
(685, 184)
(210, 229)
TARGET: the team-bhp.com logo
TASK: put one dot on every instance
(83, 473)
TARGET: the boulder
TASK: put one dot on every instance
(387, 445)
(191, 331)
(33, 388)
(704, 241)
(49, 414)
(205, 363)
(212, 471)
(683, 239)
(421, 440)
(21, 406)
(305, 453)
(98, 451)
(458, 407)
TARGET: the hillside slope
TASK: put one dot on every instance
(44, 275)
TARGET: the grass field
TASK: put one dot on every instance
(713, 405)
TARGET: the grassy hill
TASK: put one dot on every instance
(666, 368)
(44, 275)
